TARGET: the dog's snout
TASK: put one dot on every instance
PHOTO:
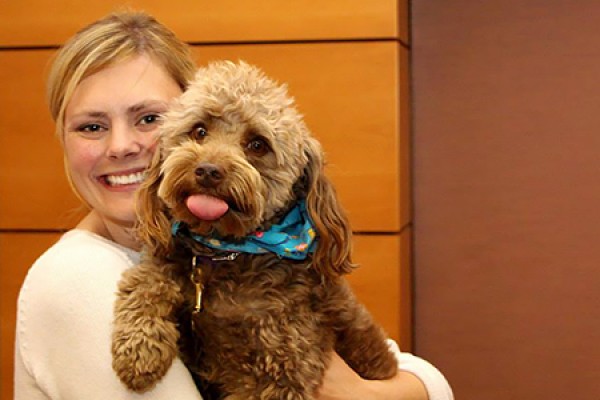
(209, 175)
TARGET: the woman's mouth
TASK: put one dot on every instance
(124, 180)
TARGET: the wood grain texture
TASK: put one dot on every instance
(213, 21)
(343, 63)
(383, 282)
(35, 192)
(347, 91)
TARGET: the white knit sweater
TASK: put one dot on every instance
(63, 332)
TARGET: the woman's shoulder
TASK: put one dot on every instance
(64, 321)
(80, 262)
(80, 254)
(80, 245)
(79, 267)
(69, 289)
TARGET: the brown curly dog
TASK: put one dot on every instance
(245, 247)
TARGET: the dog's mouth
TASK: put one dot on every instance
(210, 208)
(206, 207)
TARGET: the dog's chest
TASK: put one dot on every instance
(255, 286)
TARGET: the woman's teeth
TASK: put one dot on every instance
(116, 180)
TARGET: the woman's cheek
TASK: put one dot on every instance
(82, 155)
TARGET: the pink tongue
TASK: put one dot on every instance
(206, 207)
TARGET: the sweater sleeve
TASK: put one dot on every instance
(434, 381)
(24, 384)
(64, 318)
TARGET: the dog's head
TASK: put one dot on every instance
(234, 155)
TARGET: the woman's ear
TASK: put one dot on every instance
(154, 223)
(334, 247)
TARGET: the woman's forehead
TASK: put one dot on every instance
(125, 84)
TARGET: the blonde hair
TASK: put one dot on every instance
(106, 42)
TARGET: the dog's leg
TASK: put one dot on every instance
(360, 341)
(145, 334)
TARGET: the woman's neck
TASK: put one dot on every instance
(114, 231)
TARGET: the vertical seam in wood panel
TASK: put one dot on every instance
(410, 176)
(413, 205)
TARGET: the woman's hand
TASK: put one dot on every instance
(342, 383)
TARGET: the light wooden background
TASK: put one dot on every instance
(345, 61)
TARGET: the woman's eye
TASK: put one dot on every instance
(258, 147)
(199, 132)
(90, 128)
(150, 119)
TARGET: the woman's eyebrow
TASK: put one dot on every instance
(89, 114)
(147, 104)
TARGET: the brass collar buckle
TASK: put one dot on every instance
(196, 275)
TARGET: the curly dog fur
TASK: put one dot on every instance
(268, 324)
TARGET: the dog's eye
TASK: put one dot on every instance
(258, 147)
(198, 132)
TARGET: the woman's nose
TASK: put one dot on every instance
(123, 141)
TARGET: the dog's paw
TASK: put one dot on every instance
(142, 359)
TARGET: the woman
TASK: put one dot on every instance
(107, 88)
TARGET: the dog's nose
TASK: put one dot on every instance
(209, 175)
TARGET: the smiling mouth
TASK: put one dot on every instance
(124, 180)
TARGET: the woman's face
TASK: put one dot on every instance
(111, 124)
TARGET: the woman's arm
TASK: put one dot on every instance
(435, 383)
(64, 325)
(25, 385)
(416, 380)
(341, 382)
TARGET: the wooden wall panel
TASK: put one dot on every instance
(212, 21)
(35, 192)
(383, 282)
(17, 252)
(343, 61)
(348, 92)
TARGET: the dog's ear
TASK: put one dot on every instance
(154, 225)
(333, 255)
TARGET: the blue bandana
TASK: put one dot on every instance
(293, 238)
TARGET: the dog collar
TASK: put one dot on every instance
(294, 237)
